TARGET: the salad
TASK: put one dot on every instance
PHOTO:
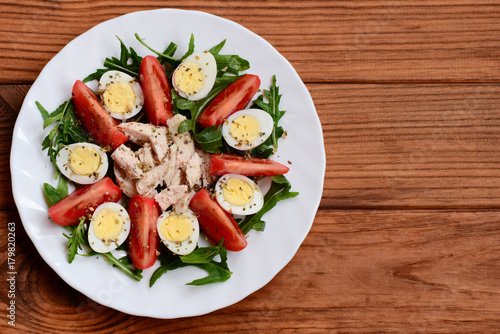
(166, 151)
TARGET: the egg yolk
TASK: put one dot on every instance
(189, 78)
(176, 228)
(237, 192)
(245, 129)
(84, 160)
(119, 98)
(107, 225)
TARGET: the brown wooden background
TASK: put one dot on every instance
(407, 237)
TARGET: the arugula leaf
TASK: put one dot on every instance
(168, 262)
(228, 63)
(280, 190)
(210, 139)
(123, 264)
(77, 238)
(272, 108)
(165, 56)
(66, 131)
(54, 195)
(129, 62)
(202, 254)
(203, 258)
(217, 271)
(190, 48)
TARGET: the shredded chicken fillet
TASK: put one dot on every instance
(141, 133)
(184, 141)
(125, 158)
(165, 173)
(146, 157)
(126, 185)
(205, 177)
(167, 167)
(193, 170)
(171, 196)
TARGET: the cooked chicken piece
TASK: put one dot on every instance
(146, 158)
(159, 140)
(183, 203)
(138, 133)
(206, 178)
(166, 173)
(193, 170)
(172, 177)
(170, 196)
(184, 141)
(141, 133)
(126, 185)
(125, 158)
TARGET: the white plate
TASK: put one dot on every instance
(267, 252)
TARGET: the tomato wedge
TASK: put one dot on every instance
(221, 164)
(83, 201)
(157, 91)
(94, 118)
(143, 240)
(234, 97)
(217, 223)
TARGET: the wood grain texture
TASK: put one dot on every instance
(401, 145)
(339, 41)
(406, 237)
(374, 271)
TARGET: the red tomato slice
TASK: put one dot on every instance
(157, 91)
(83, 201)
(143, 240)
(217, 223)
(94, 118)
(221, 164)
(233, 98)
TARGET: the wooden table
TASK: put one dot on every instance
(407, 236)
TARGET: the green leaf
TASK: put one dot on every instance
(272, 108)
(217, 271)
(203, 254)
(168, 262)
(228, 63)
(190, 48)
(210, 139)
(66, 131)
(166, 56)
(54, 195)
(129, 63)
(123, 264)
(216, 49)
(186, 125)
(231, 64)
(77, 238)
(203, 258)
(280, 190)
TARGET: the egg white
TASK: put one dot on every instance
(250, 208)
(99, 245)
(184, 247)
(266, 128)
(62, 162)
(117, 76)
(207, 62)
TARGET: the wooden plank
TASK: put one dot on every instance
(326, 41)
(357, 271)
(403, 145)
